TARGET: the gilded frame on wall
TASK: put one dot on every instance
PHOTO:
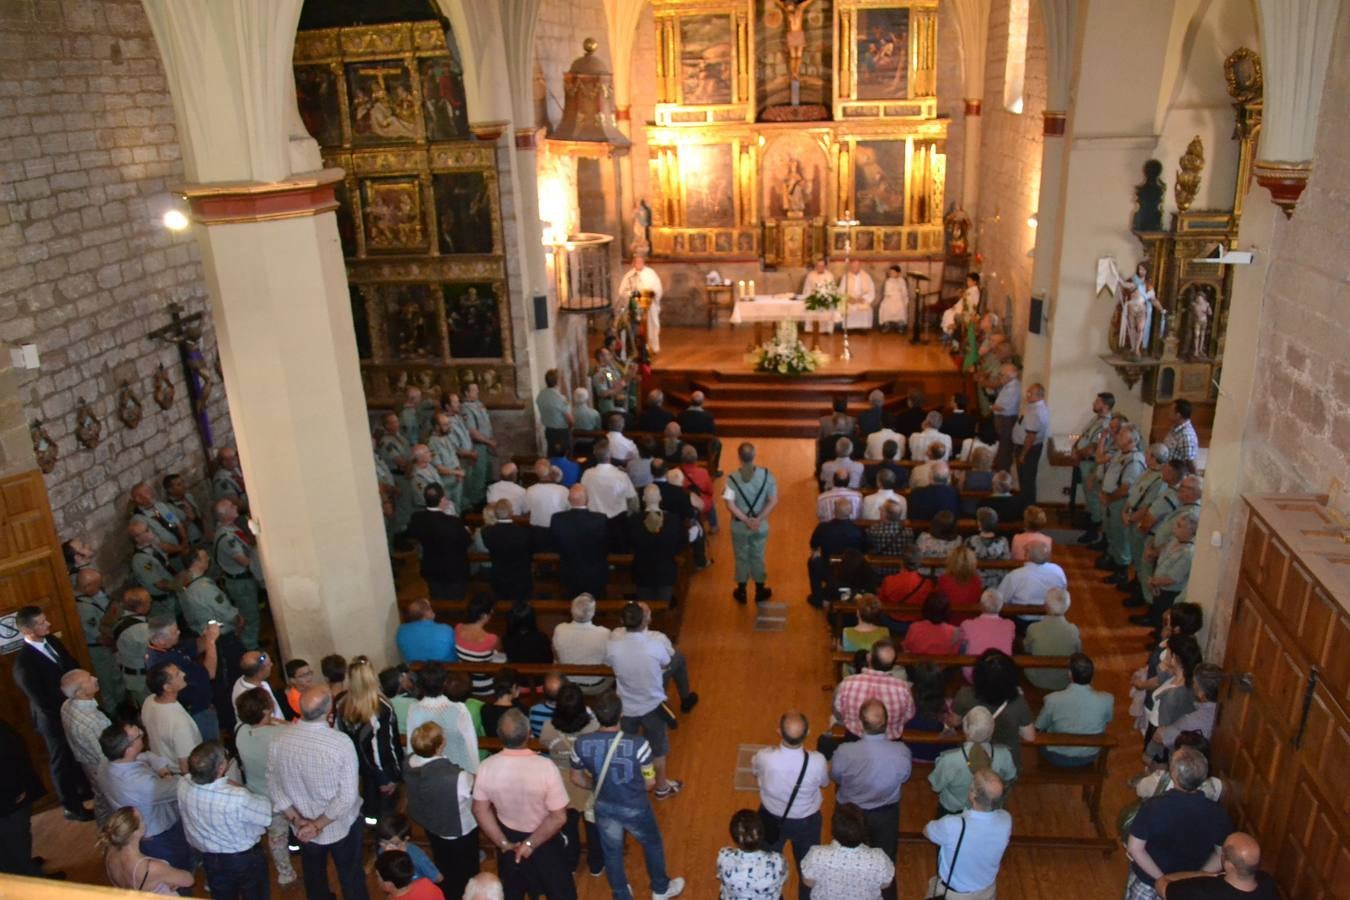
(885, 59)
(704, 61)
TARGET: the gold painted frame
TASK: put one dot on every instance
(672, 107)
(920, 100)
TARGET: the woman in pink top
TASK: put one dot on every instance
(987, 630)
(932, 635)
(1033, 520)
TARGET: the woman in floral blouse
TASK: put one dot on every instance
(749, 871)
(989, 544)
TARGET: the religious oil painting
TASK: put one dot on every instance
(882, 53)
(474, 320)
(793, 176)
(383, 109)
(879, 182)
(463, 212)
(316, 93)
(707, 172)
(776, 41)
(443, 106)
(410, 320)
(392, 211)
(706, 59)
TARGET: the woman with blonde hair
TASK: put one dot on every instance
(960, 579)
(128, 868)
(440, 800)
(366, 716)
(1033, 521)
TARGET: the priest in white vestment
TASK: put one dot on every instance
(819, 276)
(641, 279)
(860, 294)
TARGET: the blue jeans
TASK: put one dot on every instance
(613, 820)
(346, 852)
(172, 847)
(803, 833)
(238, 876)
(208, 723)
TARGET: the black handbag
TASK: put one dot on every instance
(773, 824)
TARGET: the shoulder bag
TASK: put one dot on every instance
(589, 812)
(773, 824)
(937, 887)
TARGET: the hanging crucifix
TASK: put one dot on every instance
(186, 333)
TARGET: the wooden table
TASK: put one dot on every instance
(779, 308)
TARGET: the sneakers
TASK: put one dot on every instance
(674, 889)
(672, 788)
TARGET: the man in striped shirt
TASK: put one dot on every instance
(1181, 440)
(224, 822)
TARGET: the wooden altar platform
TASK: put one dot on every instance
(752, 404)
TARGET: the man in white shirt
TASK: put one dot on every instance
(861, 295)
(877, 439)
(796, 810)
(1029, 584)
(256, 667)
(982, 833)
(581, 642)
(508, 488)
(621, 448)
(885, 493)
(608, 489)
(1028, 437)
(169, 729)
(640, 279)
(543, 499)
(931, 434)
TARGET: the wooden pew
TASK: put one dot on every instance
(700, 442)
(840, 659)
(550, 612)
(963, 526)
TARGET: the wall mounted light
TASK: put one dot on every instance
(1032, 221)
(175, 220)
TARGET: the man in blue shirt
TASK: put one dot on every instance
(869, 773)
(621, 765)
(421, 638)
(1078, 709)
(982, 832)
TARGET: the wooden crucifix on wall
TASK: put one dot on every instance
(185, 331)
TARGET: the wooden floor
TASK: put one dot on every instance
(747, 678)
(724, 348)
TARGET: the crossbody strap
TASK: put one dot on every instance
(806, 760)
(604, 770)
(951, 867)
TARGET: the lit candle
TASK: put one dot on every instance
(740, 290)
(752, 287)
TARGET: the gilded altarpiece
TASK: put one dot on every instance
(419, 209)
(747, 162)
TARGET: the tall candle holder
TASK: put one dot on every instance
(848, 223)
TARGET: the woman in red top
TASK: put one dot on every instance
(907, 587)
(932, 635)
(960, 579)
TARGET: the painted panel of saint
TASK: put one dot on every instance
(391, 209)
(706, 59)
(776, 43)
(793, 177)
(382, 106)
(443, 104)
(463, 212)
(882, 53)
(316, 93)
(410, 318)
(707, 172)
(474, 320)
(879, 182)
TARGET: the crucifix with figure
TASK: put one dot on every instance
(185, 331)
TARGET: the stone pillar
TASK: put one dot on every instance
(273, 264)
(970, 166)
(1049, 231)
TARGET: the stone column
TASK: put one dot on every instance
(972, 26)
(970, 165)
(273, 264)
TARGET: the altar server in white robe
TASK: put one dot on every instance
(819, 276)
(639, 279)
(861, 294)
(894, 309)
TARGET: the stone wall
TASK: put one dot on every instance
(88, 152)
(1010, 170)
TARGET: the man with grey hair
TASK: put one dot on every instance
(224, 822)
(931, 434)
(971, 843)
(1029, 434)
(484, 886)
(520, 803)
(839, 490)
(842, 462)
(312, 778)
(235, 554)
(587, 417)
(1172, 570)
(1189, 492)
(1029, 585)
(507, 487)
(1052, 635)
(581, 642)
(1179, 830)
(874, 418)
(543, 499)
(83, 723)
(935, 497)
(697, 420)
(151, 569)
(885, 493)
(167, 644)
(1007, 404)
(130, 775)
(1122, 471)
(1143, 492)
(654, 416)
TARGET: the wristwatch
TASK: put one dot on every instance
(529, 843)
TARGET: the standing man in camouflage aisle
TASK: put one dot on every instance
(236, 555)
(1085, 457)
(445, 458)
(461, 442)
(228, 480)
(1142, 494)
(608, 386)
(1121, 472)
(388, 485)
(1186, 502)
(178, 499)
(131, 635)
(394, 449)
(151, 570)
(476, 417)
(424, 475)
(751, 494)
(170, 534)
(205, 603)
(93, 605)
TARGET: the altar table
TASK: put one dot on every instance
(778, 308)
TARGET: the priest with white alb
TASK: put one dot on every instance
(861, 295)
(641, 279)
(819, 276)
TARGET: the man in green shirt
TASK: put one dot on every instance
(555, 413)
(1053, 635)
(475, 416)
(750, 495)
(1078, 709)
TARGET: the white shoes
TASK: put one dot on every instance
(675, 888)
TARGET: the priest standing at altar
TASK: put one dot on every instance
(644, 281)
(861, 294)
(819, 276)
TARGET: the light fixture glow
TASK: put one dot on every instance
(1032, 221)
(174, 220)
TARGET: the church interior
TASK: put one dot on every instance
(239, 237)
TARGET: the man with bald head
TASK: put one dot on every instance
(543, 500)
(581, 538)
(1240, 878)
(255, 668)
(1179, 830)
(791, 779)
(312, 778)
(877, 681)
(980, 833)
(83, 723)
(96, 613)
(507, 487)
(869, 773)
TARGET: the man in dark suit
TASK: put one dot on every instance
(928, 501)
(445, 545)
(875, 417)
(832, 538)
(582, 539)
(20, 787)
(958, 424)
(38, 667)
(889, 451)
(654, 416)
(697, 420)
(1008, 505)
(909, 421)
(512, 554)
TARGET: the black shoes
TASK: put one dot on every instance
(762, 593)
(689, 702)
(739, 594)
(79, 815)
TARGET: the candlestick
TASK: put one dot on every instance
(740, 290)
(752, 287)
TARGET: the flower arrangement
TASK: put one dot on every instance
(825, 296)
(784, 354)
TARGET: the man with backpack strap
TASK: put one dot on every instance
(971, 844)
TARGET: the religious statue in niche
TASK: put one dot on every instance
(794, 190)
(794, 49)
(794, 16)
(958, 228)
(881, 48)
(163, 388)
(792, 173)
(128, 406)
(44, 448)
(316, 95)
(706, 59)
(411, 322)
(381, 99)
(473, 318)
(1198, 304)
(642, 227)
(879, 182)
(463, 212)
(392, 209)
(443, 104)
(1149, 198)
(88, 428)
